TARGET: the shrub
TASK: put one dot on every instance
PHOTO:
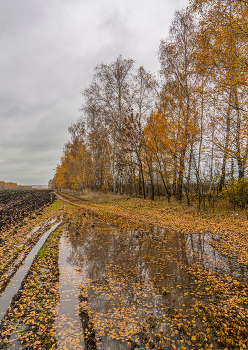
(236, 192)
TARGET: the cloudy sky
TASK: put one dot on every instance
(48, 50)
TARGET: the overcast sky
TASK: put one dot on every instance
(48, 50)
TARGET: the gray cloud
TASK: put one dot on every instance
(49, 49)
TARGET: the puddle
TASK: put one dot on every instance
(32, 232)
(198, 247)
(14, 285)
(68, 326)
(35, 229)
(129, 280)
(14, 343)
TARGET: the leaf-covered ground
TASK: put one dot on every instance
(30, 319)
(31, 316)
(151, 277)
(217, 317)
(15, 244)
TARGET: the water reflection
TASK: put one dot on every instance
(68, 327)
(133, 277)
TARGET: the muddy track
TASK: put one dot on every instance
(71, 199)
(114, 219)
(13, 265)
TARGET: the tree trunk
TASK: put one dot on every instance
(223, 169)
(180, 176)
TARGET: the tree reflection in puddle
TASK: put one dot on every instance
(132, 279)
(68, 326)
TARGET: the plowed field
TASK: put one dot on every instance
(15, 205)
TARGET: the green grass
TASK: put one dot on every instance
(105, 213)
(43, 252)
(55, 205)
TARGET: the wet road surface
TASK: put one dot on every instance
(129, 279)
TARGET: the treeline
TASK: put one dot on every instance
(12, 185)
(181, 132)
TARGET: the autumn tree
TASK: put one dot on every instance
(73, 171)
(178, 94)
(144, 92)
(106, 102)
(182, 136)
(223, 51)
